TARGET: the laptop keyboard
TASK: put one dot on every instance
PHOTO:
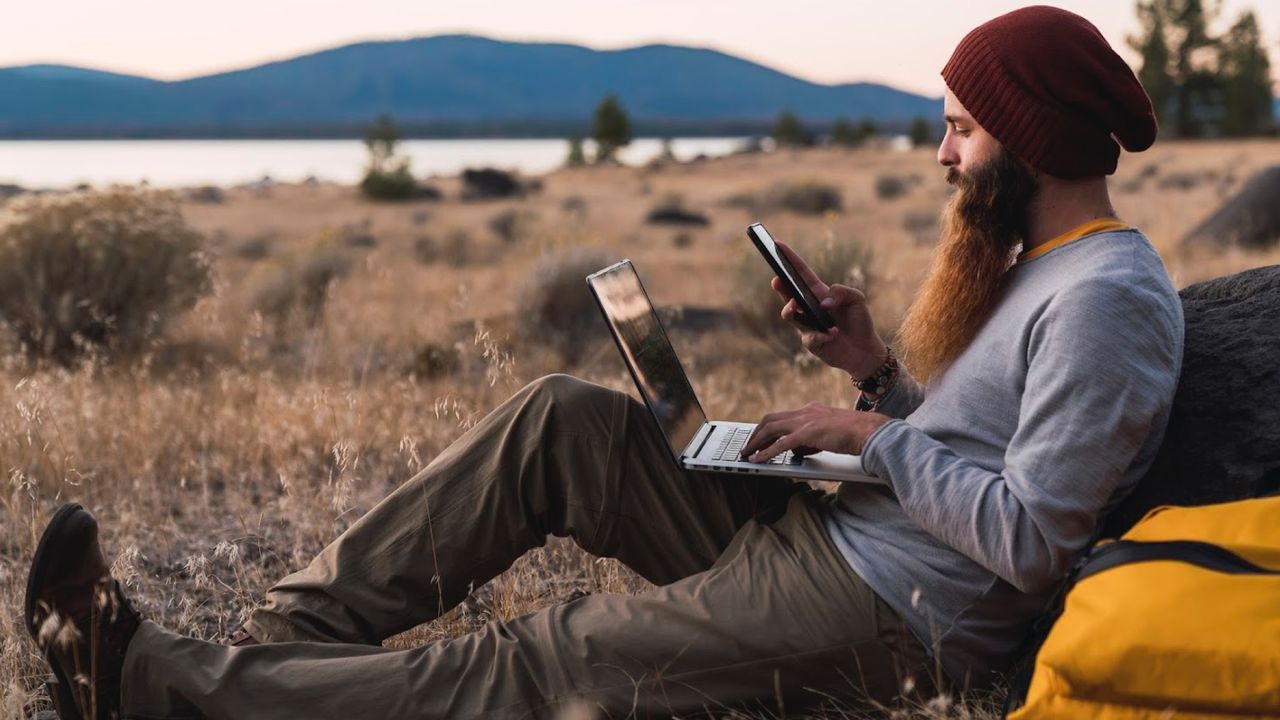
(732, 444)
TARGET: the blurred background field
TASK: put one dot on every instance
(341, 343)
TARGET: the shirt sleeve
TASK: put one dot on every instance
(903, 398)
(1102, 367)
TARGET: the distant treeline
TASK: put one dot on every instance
(413, 130)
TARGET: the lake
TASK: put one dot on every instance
(56, 164)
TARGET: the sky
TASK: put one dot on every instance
(903, 43)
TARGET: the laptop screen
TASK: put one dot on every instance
(648, 353)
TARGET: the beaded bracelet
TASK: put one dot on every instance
(878, 383)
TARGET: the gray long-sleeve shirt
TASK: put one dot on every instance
(998, 472)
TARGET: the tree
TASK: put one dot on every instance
(576, 158)
(611, 129)
(868, 129)
(1178, 31)
(1246, 79)
(844, 134)
(920, 132)
(381, 138)
(1155, 74)
(387, 177)
(788, 131)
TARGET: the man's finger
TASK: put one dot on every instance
(769, 429)
(776, 448)
(839, 295)
(776, 283)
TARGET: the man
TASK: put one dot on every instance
(1041, 383)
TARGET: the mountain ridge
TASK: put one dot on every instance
(442, 80)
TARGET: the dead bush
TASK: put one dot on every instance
(490, 183)
(671, 211)
(806, 198)
(294, 288)
(922, 224)
(96, 270)
(553, 305)
(511, 224)
(434, 360)
(890, 187)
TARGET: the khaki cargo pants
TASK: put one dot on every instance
(755, 607)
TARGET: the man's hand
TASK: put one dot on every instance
(810, 429)
(852, 345)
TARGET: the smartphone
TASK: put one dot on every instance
(811, 312)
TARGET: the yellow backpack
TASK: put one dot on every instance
(1178, 619)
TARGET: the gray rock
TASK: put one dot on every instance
(1250, 218)
(1223, 439)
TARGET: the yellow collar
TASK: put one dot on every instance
(1089, 228)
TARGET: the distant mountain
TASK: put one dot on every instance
(444, 81)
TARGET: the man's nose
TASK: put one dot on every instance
(947, 156)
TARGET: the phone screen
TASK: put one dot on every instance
(809, 302)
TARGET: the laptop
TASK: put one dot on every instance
(696, 443)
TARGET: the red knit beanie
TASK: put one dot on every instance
(1045, 83)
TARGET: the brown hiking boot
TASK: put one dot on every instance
(79, 617)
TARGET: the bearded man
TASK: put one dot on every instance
(1044, 349)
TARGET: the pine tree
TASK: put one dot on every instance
(576, 157)
(788, 131)
(920, 132)
(611, 129)
(1246, 79)
(844, 134)
(1192, 95)
(868, 129)
(381, 138)
(1155, 74)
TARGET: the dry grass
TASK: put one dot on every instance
(227, 458)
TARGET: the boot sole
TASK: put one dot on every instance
(63, 701)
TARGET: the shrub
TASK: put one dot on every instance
(489, 183)
(255, 248)
(744, 201)
(434, 360)
(394, 184)
(889, 187)
(671, 211)
(359, 235)
(511, 224)
(575, 205)
(457, 249)
(758, 307)
(806, 198)
(553, 305)
(922, 224)
(102, 270)
(1183, 180)
(425, 250)
(208, 194)
(295, 288)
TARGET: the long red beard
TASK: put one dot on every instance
(982, 230)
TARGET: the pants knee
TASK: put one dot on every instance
(567, 391)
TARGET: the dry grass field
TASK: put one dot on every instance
(235, 449)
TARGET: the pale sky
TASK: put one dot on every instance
(902, 43)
